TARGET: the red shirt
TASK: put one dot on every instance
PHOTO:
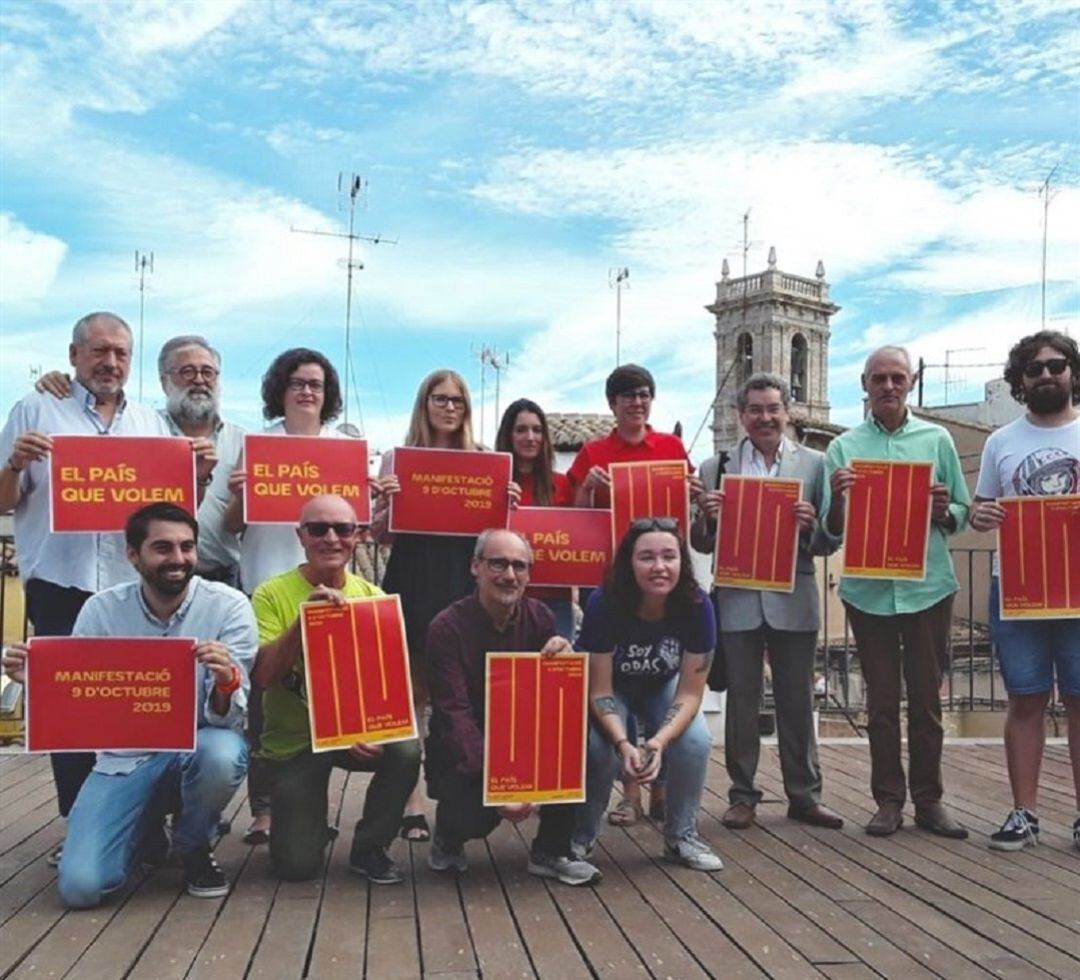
(563, 497)
(613, 449)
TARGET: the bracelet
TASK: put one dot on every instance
(232, 685)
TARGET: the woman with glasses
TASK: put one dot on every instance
(650, 632)
(300, 390)
(523, 432)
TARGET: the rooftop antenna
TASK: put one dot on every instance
(143, 263)
(490, 357)
(353, 187)
(1044, 193)
(617, 278)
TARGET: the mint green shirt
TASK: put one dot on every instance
(916, 440)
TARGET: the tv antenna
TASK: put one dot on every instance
(143, 263)
(490, 357)
(1044, 193)
(618, 279)
(353, 188)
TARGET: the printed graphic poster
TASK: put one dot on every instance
(571, 545)
(1039, 554)
(757, 539)
(648, 489)
(284, 472)
(450, 491)
(887, 523)
(91, 694)
(96, 482)
(356, 668)
(535, 728)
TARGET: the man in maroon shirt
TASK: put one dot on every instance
(497, 617)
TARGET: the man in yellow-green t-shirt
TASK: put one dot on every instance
(299, 776)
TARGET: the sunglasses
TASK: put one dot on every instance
(656, 524)
(1055, 365)
(320, 529)
(502, 564)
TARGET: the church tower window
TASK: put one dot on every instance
(798, 368)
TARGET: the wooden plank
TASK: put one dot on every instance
(393, 949)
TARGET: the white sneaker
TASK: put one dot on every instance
(567, 870)
(442, 858)
(692, 852)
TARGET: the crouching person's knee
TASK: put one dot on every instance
(82, 886)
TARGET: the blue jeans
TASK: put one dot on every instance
(685, 761)
(112, 812)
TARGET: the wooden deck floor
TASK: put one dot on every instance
(792, 901)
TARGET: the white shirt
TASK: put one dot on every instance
(752, 462)
(90, 562)
(217, 547)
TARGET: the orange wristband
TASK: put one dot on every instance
(232, 685)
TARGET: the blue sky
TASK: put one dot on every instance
(517, 152)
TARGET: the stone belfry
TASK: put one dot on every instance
(771, 321)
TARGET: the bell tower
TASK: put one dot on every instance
(777, 322)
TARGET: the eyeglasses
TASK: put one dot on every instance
(301, 384)
(1055, 365)
(656, 524)
(189, 372)
(502, 564)
(641, 395)
(456, 402)
(320, 529)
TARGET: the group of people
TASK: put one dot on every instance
(651, 631)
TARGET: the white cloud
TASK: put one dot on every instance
(29, 260)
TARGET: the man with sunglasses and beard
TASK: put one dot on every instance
(299, 777)
(1037, 454)
(117, 816)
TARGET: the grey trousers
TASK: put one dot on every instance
(791, 656)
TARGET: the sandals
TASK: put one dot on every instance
(254, 836)
(414, 828)
(626, 814)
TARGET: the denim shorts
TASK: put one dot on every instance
(1031, 651)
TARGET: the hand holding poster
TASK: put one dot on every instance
(449, 491)
(90, 694)
(887, 520)
(356, 669)
(1039, 555)
(571, 545)
(648, 489)
(535, 728)
(757, 538)
(284, 472)
(97, 481)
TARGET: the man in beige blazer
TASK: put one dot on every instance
(753, 621)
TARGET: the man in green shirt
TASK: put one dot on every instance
(902, 626)
(299, 776)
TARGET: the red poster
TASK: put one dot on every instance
(97, 481)
(356, 667)
(1039, 554)
(90, 694)
(284, 472)
(450, 491)
(571, 545)
(647, 489)
(535, 728)
(887, 525)
(757, 540)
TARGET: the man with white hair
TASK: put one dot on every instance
(901, 626)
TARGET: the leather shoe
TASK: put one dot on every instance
(936, 819)
(888, 820)
(816, 815)
(738, 816)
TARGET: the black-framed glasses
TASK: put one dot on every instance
(300, 384)
(1055, 365)
(320, 529)
(501, 565)
(656, 524)
(456, 402)
(189, 372)
(637, 395)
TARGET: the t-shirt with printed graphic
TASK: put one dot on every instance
(1023, 460)
(646, 652)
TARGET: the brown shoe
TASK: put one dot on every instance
(934, 818)
(739, 816)
(888, 820)
(816, 815)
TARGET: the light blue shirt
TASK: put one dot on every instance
(210, 611)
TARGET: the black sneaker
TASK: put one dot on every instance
(1076, 832)
(375, 864)
(203, 877)
(1020, 830)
